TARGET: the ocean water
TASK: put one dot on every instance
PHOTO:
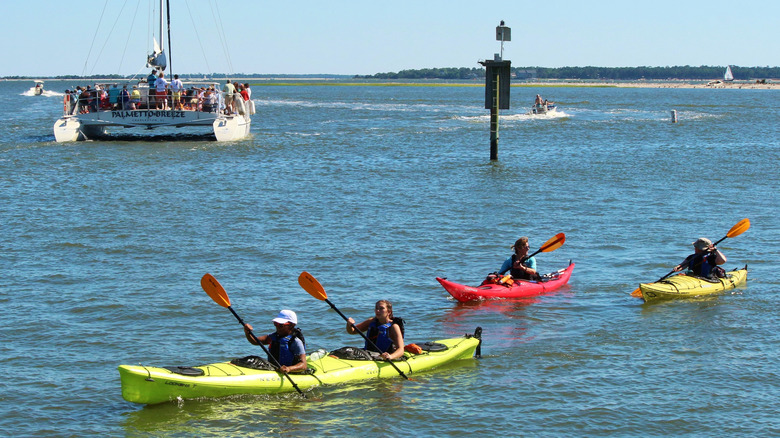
(376, 191)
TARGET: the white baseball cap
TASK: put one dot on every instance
(286, 316)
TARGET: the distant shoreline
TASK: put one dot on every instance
(547, 83)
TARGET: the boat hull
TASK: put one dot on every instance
(686, 286)
(151, 385)
(519, 289)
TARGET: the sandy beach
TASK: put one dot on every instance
(746, 85)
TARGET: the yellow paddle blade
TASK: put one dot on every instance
(312, 286)
(637, 293)
(215, 290)
(554, 243)
(739, 228)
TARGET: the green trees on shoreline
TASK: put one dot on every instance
(591, 73)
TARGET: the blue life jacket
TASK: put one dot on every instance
(280, 348)
(701, 264)
(379, 334)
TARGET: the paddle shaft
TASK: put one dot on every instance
(368, 341)
(275, 362)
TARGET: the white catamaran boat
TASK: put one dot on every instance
(202, 105)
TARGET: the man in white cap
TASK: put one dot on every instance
(705, 259)
(286, 345)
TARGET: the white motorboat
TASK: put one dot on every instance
(90, 111)
(38, 89)
(543, 108)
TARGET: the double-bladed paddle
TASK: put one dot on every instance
(739, 228)
(549, 246)
(220, 296)
(315, 289)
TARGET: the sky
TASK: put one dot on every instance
(346, 37)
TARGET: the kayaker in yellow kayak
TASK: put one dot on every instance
(518, 266)
(385, 331)
(704, 261)
(286, 345)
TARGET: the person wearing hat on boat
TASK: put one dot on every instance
(520, 267)
(286, 345)
(384, 330)
(704, 261)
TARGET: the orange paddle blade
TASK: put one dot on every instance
(739, 228)
(554, 243)
(215, 290)
(312, 286)
(637, 293)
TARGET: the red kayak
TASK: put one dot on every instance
(520, 288)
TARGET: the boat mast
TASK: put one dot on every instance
(170, 58)
(162, 37)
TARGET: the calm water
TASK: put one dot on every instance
(376, 191)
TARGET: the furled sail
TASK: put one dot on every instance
(157, 58)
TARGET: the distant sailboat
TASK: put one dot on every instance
(728, 77)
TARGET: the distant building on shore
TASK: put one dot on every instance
(529, 73)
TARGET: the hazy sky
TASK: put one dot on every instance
(57, 37)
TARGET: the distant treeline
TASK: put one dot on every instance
(193, 76)
(594, 73)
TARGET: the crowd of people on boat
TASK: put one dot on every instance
(161, 95)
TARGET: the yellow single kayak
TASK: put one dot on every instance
(149, 385)
(687, 286)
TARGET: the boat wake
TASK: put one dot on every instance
(46, 93)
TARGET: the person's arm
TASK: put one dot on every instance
(362, 326)
(506, 266)
(530, 266)
(684, 264)
(398, 341)
(247, 330)
(719, 257)
(299, 351)
(298, 367)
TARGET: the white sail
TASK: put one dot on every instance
(728, 76)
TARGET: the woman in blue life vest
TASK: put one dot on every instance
(286, 344)
(518, 266)
(703, 262)
(383, 330)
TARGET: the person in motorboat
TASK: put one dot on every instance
(286, 344)
(519, 266)
(384, 330)
(704, 261)
(538, 101)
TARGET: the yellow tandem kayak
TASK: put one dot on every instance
(150, 385)
(687, 286)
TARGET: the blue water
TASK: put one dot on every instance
(376, 191)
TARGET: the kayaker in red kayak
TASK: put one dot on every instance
(520, 267)
(384, 330)
(286, 344)
(704, 261)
